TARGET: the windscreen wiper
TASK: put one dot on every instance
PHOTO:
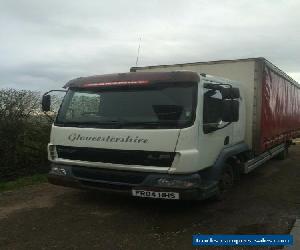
(87, 124)
(149, 123)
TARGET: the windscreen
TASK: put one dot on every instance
(160, 105)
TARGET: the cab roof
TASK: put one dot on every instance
(133, 78)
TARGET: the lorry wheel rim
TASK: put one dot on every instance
(226, 180)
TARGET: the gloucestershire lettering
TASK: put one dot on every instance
(126, 139)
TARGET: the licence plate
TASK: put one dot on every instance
(155, 194)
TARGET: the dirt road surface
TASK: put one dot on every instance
(45, 216)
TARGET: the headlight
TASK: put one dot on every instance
(58, 170)
(177, 181)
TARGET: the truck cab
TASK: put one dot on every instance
(165, 135)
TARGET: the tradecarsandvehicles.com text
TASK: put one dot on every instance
(242, 240)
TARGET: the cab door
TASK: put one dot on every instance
(214, 134)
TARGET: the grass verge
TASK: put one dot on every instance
(22, 182)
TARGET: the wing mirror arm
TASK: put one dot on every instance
(46, 99)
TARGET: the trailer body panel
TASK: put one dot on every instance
(272, 98)
(280, 109)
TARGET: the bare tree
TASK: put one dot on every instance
(18, 104)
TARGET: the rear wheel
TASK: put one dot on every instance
(283, 154)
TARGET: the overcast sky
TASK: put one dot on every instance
(44, 43)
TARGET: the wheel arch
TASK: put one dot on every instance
(229, 155)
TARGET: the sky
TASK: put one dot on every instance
(43, 44)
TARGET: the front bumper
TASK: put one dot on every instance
(193, 188)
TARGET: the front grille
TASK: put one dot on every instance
(126, 157)
(105, 185)
(106, 175)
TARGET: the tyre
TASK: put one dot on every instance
(226, 182)
(283, 154)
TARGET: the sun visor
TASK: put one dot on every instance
(136, 78)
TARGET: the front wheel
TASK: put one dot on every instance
(226, 182)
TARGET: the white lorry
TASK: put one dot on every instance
(173, 131)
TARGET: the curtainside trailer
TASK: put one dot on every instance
(182, 131)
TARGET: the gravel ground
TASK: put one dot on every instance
(45, 216)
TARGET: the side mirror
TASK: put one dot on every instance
(230, 110)
(230, 93)
(46, 103)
